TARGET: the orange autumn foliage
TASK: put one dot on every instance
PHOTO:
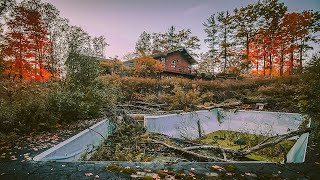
(278, 52)
(28, 46)
(26, 71)
(147, 65)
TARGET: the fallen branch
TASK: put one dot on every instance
(175, 139)
(180, 159)
(278, 139)
(262, 145)
(206, 147)
(148, 104)
(222, 105)
(135, 107)
(189, 153)
(138, 117)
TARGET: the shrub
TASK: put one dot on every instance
(135, 88)
(82, 95)
(184, 100)
(41, 105)
(24, 107)
(73, 104)
(310, 92)
(81, 69)
(147, 66)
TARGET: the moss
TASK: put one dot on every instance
(147, 158)
(230, 168)
(162, 173)
(172, 173)
(129, 170)
(147, 178)
(84, 156)
(179, 176)
(261, 157)
(114, 167)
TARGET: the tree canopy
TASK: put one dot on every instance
(261, 39)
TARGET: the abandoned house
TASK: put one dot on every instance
(176, 62)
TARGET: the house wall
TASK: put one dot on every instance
(182, 65)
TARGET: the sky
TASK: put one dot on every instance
(122, 21)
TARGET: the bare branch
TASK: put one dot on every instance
(278, 139)
(189, 153)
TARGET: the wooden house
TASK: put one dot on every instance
(176, 62)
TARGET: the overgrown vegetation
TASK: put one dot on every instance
(186, 94)
(49, 70)
(36, 105)
(130, 142)
(310, 91)
(236, 140)
(50, 76)
(125, 142)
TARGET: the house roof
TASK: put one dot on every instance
(183, 51)
(103, 59)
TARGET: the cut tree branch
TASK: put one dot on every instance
(262, 145)
(189, 153)
(206, 147)
(278, 139)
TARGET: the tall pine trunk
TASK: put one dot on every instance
(247, 44)
(20, 59)
(270, 57)
(281, 62)
(291, 63)
(225, 49)
(300, 57)
(264, 65)
(257, 67)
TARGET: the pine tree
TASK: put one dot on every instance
(211, 30)
(157, 41)
(246, 26)
(98, 45)
(143, 45)
(170, 40)
(225, 36)
(272, 12)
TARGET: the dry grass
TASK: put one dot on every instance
(182, 93)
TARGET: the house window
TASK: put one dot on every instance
(173, 63)
(163, 60)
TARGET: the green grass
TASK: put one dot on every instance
(226, 139)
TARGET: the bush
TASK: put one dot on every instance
(24, 107)
(310, 92)
(34, 105)
(134, 87)
(82, 95)
(81, 69)
(181, 99)
(73, 104)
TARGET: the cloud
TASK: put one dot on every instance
(195, 9)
